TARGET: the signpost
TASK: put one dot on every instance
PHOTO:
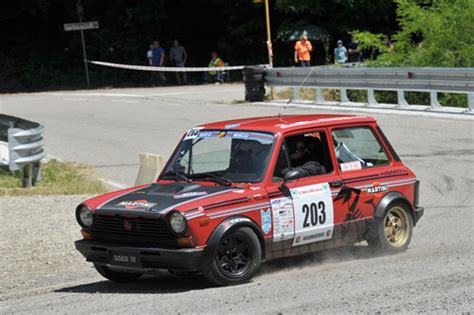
(82, 26)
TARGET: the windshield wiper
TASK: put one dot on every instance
(180, 175)
(215, 178)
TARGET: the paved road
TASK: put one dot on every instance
(108, 129)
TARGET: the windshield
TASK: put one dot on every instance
(221, 155)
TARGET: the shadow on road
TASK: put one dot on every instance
(160, 284)
(163, 283)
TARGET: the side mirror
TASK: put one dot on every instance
(292, 175)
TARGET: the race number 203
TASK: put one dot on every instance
(314, 213)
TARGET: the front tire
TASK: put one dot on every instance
(236, 258)
(394, 231)
(116, 276)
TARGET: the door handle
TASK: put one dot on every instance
(336, 183)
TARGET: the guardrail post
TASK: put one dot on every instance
(344, 98)
(401, 98)
(434, 100)
(319, 96)
(27, 176)
(470, 102)
(371, 97)
(296, 93)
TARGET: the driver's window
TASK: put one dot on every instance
(282, 165)
(307, 152)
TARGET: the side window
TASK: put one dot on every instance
(358, 148)
(282, 165)
(307, 152)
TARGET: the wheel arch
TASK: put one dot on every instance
(390, 198)
(227, 225)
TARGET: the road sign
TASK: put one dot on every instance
(81, 26)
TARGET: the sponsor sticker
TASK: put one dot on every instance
(351, 166)
(192, 133)
(190, 194)
(142, 204)
(283, 219)
(377, 189)
(266, 220)
(230, 126)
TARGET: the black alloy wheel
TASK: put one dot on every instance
(236, 258)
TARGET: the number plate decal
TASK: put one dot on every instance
(314, 213)
(124, 259)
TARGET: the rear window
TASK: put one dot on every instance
(358, 148)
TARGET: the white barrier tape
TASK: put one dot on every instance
(169, 69)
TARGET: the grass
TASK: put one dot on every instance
(383, 97)
(58, 178)
(307, 94)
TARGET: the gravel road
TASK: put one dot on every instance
(42, 273)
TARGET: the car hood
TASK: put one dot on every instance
(155, 198)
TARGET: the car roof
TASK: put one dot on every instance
(286, 123)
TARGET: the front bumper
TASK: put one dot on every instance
(419, 211)
(148, 257)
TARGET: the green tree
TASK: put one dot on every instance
(435, 33)
(432, 33)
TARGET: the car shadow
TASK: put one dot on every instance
(163, 283)
(156, 283)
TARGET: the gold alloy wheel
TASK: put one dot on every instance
(396, 227)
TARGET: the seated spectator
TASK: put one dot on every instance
(212, 75)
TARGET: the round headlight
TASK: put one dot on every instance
(84, 216)
(178, 223)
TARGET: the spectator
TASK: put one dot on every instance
(303, 49)
(340, 53)
(149, 54)
(212, 75)
(387, 42)
(178, 57)
(355, 53)
(157, 58)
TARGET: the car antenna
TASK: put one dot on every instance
(299, 87)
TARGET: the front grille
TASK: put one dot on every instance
(135, 228)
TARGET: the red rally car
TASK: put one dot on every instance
(236, 193)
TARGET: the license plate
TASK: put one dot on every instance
(124, 259)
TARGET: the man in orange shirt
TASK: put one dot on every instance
(303, 50)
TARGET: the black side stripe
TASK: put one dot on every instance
(369, 177)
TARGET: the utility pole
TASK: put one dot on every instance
(269, 36)
(80, 13)
(269, 44)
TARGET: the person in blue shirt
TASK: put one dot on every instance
(340, 53)
(157, 58)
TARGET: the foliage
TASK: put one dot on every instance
(58, 178)
(432, 33)
(435, 33)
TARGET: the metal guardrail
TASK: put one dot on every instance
(432, 80)
(25, 142)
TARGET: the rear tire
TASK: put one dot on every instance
(236, 258)
(116, 276)
(393, 232)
